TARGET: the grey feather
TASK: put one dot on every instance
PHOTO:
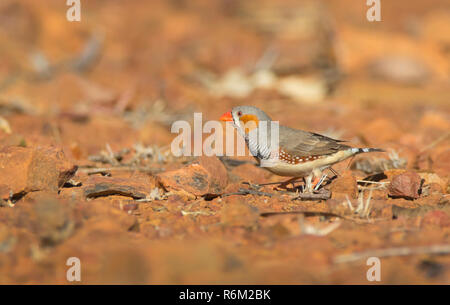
(302, 143)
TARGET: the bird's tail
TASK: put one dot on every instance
(356, 151)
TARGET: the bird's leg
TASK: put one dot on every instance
(308, 183)
(313, 185)
(317, 175)
(317, 185)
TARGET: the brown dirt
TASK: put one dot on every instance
(86, 169)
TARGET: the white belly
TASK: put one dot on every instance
(306, 168)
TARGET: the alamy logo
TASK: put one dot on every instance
(374, 272)
(74, 12)
(73, 274)
(374, 12)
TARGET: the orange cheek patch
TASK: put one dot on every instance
(250, 122)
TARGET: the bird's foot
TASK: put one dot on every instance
(311, 187)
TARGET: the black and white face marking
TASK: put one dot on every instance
(236, 114)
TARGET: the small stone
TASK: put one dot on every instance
(25, 169)
(406, 185)
(207, 175)
(98, 186)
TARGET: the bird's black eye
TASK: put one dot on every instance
(239, 113)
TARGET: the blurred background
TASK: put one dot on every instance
(129, 69)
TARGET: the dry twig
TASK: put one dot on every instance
(323, 195)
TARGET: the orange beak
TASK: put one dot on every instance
(226, 117)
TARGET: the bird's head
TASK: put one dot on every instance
(245, 118)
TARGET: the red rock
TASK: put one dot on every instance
(24, 169)
(207, 175)
(98, 186)
(15, 163)
(193, 179)
(344, 185)
(46, 162)
(405, 185)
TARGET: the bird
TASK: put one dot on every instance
(299, 154)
